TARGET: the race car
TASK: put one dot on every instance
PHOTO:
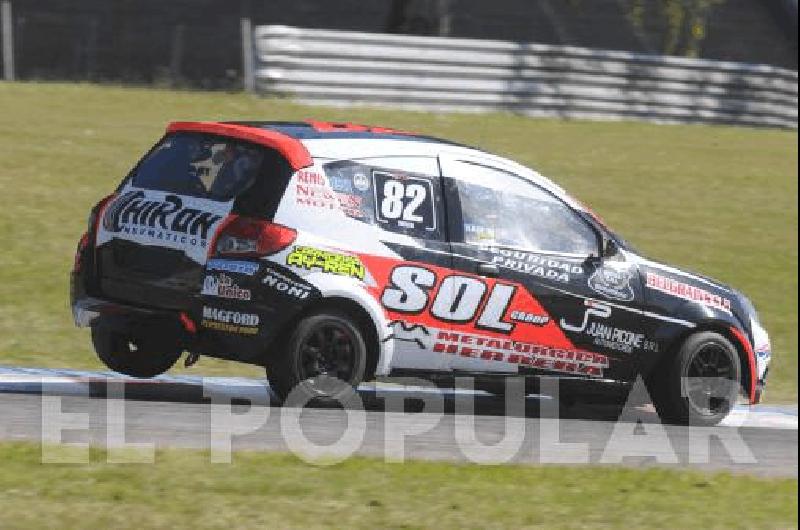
(333, 254)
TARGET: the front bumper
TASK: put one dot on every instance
(763, 353)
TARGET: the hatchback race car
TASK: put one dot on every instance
(336, 252)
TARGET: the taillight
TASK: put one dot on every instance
(97, 211)
(243, 236)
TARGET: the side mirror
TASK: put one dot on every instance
(610, 247)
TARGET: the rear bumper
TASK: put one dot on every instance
(88, 309)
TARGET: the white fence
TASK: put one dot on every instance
(444, 74)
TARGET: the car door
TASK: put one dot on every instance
(546, 284)
(400, 198)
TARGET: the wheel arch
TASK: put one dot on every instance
(370, 324)
(736, 337)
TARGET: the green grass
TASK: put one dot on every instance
(718, 200)
(182, 489)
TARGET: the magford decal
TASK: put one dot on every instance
(230, 321)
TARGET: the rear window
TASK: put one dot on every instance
(209, 167)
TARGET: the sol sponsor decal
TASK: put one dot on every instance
(326, 261)
(165, 220)
(525, 354)
(687, 292)
(612, 282)
(607, 336)
(459, 299)
(223, 287)
(230, 321)
(239, 267)
(535, 264)
(283, 284)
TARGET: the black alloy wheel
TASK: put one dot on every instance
(700, 385)
(323, 360)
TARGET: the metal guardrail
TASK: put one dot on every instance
(445, 74)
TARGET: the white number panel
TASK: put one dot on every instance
(404, 202)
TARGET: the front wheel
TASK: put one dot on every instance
(323, 360)
(700, 386)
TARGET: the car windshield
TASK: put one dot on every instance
(200, 166)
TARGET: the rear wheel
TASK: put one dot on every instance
(701, 384)
(139, 353)
(323, 360)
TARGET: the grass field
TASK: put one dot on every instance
(718, 200)
(182, 489)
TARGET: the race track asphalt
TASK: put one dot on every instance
(396, 423)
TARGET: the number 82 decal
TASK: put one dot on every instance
(405, 202)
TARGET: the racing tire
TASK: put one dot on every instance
(322, 362)
(701, 384)
(135, 353)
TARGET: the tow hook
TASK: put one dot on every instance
(191, 359)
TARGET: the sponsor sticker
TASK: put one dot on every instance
(605, 335)
(536, 265)
(341, 184)
(164, 219)
(230, 321)
(687, 292)
(479, 233)
(524, 354)
(351, 205)
(612, 282)
(284, 284)
(223, 286)
(329, 262)
(529, 318)
(458, 298)
(239, 267)
(361, 182)
(313, 190)
(408, 332)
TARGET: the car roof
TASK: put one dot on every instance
(302, 141)
(325, 130)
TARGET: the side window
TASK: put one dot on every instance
(499, 208)
(403, 202)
